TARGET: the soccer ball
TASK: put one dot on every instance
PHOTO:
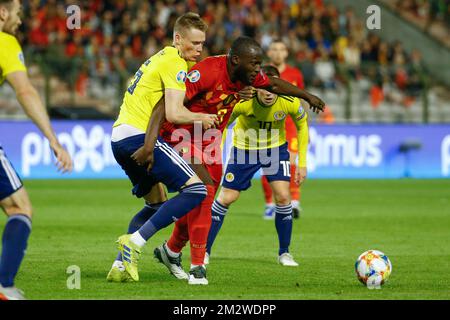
(373, 268)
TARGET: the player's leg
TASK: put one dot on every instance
(219, 210)
(170, 169)
(294, 188)
(199, 225)
(198, 219)
(237, 178)
(279, 179)
(153, 201)
(283, 221)
(269, 210)
(16, 204)
(180, 234)
(291, 137)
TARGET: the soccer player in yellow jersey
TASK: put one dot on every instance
(14, 199)
(260, 142)
(161, 79)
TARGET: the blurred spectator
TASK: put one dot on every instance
(118, 35)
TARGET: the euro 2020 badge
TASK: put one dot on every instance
(194, 76)
(181, 76)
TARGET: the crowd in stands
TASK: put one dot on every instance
(330, 47)
(428, 10)
(431, 16)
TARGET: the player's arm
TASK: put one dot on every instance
(177, 113)
(280, 86)
(300, 118)
(144, 155)
(29, 99)
(173, 77)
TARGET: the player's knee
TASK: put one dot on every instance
(282, 198)
(156, 195)
(193, 179)
(19, 207)
(228, 196)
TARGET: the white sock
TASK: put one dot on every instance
(170, 252)
(295, 204)
(270, 205)
(137, 239)
(119, 264)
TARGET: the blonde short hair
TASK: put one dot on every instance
(189, 20)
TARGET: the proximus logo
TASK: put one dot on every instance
(88, 149)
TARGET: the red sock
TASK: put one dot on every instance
(295, 189)
(267, 190)
(198, 225)
(180, 234)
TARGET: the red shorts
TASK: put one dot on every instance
(207, 155)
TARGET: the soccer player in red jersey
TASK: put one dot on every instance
(278, 53)
(213, 86)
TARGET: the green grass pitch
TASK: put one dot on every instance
(77, 223)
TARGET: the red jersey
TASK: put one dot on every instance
(295, 77)
(209, 90)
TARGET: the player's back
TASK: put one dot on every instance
(11, 56)
(164, 70)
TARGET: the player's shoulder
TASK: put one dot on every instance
(8, 41)
(288, 104)
(288, 100)
(293, 70)
(246, 104)
(7, 37)
(212, 62)
(208, 71)
(170, 56)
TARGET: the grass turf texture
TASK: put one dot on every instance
(77, 223)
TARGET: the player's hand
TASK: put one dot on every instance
(63, 159)
(246, 93)
(300, 175)
(209, 121)
(143, 157)
(315, 103)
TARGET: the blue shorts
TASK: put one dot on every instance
(9, 179)
(243, 164)
(168, 167)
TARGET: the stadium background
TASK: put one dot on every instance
(396, 76)
(388, 116)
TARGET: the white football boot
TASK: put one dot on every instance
(11, 293)
(287, 260)
(172, 263)
(197, 275)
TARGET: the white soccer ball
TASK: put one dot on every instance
(373, 268)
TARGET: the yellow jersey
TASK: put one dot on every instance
(164, 70)
(262, 127)
(11, 56)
